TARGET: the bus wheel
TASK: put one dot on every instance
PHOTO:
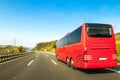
(68, 62)
(57, 57)
(71, 64)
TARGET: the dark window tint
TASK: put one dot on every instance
(72, 38)
(99, 31)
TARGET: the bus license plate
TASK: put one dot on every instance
(102, 58)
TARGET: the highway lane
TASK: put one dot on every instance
(44, 66)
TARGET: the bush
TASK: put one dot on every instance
(15, 50)
(118, 47)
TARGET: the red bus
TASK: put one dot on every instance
(90, 46)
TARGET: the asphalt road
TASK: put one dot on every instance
(44, 66)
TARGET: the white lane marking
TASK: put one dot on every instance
(37, 56)
(118, 71)
(54, 62)
(50, 53)
(30, 62)
(14, 78)
(113, 70)
(47, 55)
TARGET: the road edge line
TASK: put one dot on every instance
(54, 62)
(113, 70)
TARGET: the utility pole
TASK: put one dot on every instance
(14, 42)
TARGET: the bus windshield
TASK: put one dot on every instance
(99, 31)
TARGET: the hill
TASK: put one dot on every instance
(6, 49)
(49, 46)
(46, 46)
(117, 36)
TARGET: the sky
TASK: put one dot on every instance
(29, 22)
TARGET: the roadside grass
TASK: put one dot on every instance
(8, 50)
(3, 51)
(118, 49)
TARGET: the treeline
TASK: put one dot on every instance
(11, 49)
(49, 46)
(117, 36)
(46, 46)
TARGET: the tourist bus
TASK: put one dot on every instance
(90, 46)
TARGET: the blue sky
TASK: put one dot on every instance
(34, 21)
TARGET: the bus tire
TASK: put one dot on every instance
(72, 64)
(68, 62)
(57, 58)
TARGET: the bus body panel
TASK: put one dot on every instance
(90, 52)
(101, 51)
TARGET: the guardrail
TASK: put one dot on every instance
(6, 57)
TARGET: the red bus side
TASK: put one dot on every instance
(74, 51)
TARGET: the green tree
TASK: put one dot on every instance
(21, 48)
